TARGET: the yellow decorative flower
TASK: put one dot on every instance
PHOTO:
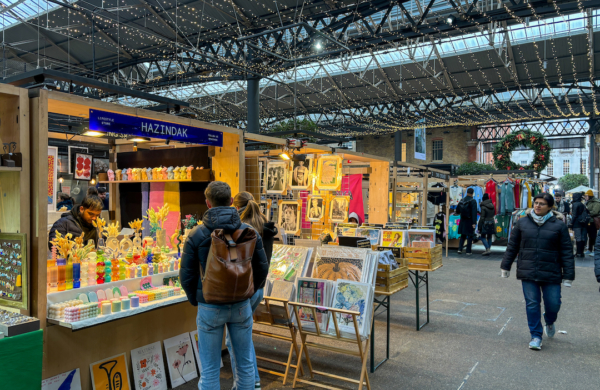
(498, 229)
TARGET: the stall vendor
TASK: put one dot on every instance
(79, 220)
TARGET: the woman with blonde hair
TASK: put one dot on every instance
(250, 213)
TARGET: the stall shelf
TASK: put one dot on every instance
(144, 326)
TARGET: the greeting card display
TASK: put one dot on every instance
(83, 166)
(111, 373)
(13, 270)
(180, 359)
(149, 367)
(70, 380)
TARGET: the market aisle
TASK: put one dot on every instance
(478, 330)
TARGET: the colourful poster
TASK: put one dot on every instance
(392, 238)
(110, 374)
(180, 359)
(149, 368)
(70, 380)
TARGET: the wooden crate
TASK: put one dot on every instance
(423, 259)
(390, 280)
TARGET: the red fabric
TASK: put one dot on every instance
(517, 194)
(490, 189)
(352, 185)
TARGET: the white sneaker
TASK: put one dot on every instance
(592, 254)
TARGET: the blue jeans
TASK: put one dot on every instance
(254, 302)
(486, 240)
(533, 298)
(211, 323)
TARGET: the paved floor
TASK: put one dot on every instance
(477, 338)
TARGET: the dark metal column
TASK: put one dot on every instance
(592, 161)
(398, 145)
(253, 105)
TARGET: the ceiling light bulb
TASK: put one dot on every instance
(318, 45)
(61, 180)
(92, 133)
(285, 156)
(545, 64)
(93, 181)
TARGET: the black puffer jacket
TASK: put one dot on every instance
(578, 212)
(597, 259)
(269, 233)
(196, 247)
(487, 215)
(545, 253)
(467, 206)
(72, 222)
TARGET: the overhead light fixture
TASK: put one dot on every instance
(93, 133)
(545, 64)
(135, 146)
(61, 180)
(451, 20)
(138, 139)
(285, 156)
(93, 181)
(318, 45)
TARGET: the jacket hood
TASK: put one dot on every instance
(269, 230)
(354, 215)
(577, 197)
(593, 200)
(487, 204)
(557, 215)
(226, 218)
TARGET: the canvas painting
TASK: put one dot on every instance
(316, 208)
(338, 208)
(335, 263)
(110, 373)
(289, 216)
(371, 234)
(83, 166)
(149, 367)
(70, 380)
(392, 238)
(301, 172)
(180, 359)
(287, 262)
(277, 177)
(349, 295)
(329, 173)
(420, 237)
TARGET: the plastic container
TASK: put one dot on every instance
(76, 275)
(52, 275)
(61, 265)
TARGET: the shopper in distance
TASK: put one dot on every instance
(593, 207)
(543, 246)
(222, 265)
(487, 226)
(579, 223)
(79, 220)
(467, 208)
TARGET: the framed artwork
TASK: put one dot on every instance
(421, 238)
(316, 208)
(301, 170)
(83, 166)
(72, 150)
(329, 173)
(265, 208)
(371, 234)
(110, 373)
(277, 177)
(70, 380)
(13, 278)
(100, 165)
(338, 209)
(149, 367)
(289, 216)
(52, 177)
(180, 359)
(392, 238)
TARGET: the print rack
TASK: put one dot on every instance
(269, 314)
(320, 342)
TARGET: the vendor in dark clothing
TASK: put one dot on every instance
(79, 220)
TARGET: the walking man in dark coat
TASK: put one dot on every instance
(467, 208)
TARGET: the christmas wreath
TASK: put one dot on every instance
(531, 139)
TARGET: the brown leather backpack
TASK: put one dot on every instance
(228, 276)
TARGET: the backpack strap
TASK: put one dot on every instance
(233, 256)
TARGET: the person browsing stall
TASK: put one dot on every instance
(79, 220)
(579, 223)
(467, 208)
(545, 252)
(593, 206)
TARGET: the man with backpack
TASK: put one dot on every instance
(223, 263)
(579, 223)
(467, 208)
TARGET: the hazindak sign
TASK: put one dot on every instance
(118, 125)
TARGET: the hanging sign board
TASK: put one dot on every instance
(118, 124)
(420, 144)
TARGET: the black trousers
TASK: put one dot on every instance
(461, 242)
(591, 233)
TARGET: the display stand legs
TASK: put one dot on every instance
(385, 303)
(418, 281)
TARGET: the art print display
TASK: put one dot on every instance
(110, 373)
(180, 359)
(346, 231)
(73, 150)
(52, 177)
(282, 290)
(301, 172)
(83, 167)
(277, 177)
(371, 234)
(100, 165)
(316, 208)
(289, 216)
(420, 144)
(392, 238)
(314, 292)
(288, 262)
(13, 270)
(70, 380)
(333, 263)
(329, 173)
(421, 238)
(350, 295)
(149, 368)
(338, 208)
(265, 208)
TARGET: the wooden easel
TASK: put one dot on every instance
(361, 353)
(279, 320)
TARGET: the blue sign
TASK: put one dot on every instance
(126, 125)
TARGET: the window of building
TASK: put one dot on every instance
(583, 167)
(566, 164)
(438, 150)
(523, 162)
(403, 151)
(550, 169)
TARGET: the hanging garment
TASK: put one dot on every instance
(439, 223)
(502, 225)
(507, 198)
(477, 195)
(453, 223)
(526, 198)
(490, 189)
(437, 198)
(517, 194)
(456, 195)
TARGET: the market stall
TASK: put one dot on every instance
(133, 302)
